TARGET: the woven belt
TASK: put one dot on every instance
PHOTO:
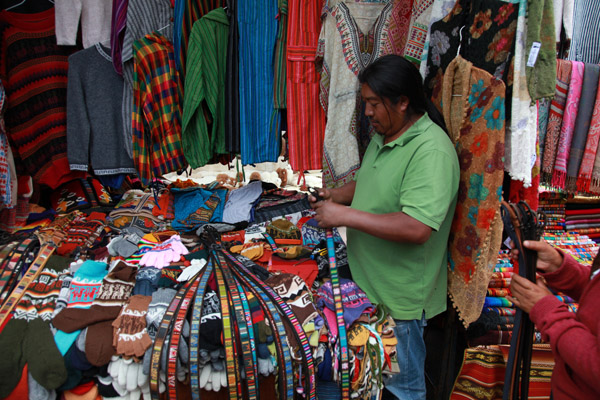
(175, 338)
(269, 296)
(161, 335)
(339, 311)
(5, 271)
(32, 273)
(195, 330)
(11, 274)
(244, 324)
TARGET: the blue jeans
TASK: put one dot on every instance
(409, 384)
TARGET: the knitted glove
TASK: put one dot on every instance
(128, 375)
(211, 379)
(146, 281)
(265, 366)
(165, 253)
(130, 336)
(191, 271)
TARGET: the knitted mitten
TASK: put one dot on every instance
(159, 304)
(130, 334)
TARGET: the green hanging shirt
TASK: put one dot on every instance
(418, 174)
(204, 91)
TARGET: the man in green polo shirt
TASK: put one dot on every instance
(401, 206)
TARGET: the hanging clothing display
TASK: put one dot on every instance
(474, 113)
(417, 33)
(346, 46)
(203, 136)
(95, 18)
(582, 123)
(279, 60)
(520, 153)
(35, 118)
(585, 46)
(186, 13)
(555, 118)
(398, 27)
(559, 174)
(439, 10)
(232, 83)
(589, 173)
(487, 26)
(540, 76)
(563, 18)
(143, 18)
(259, 121)
(6, 180)
(94, 126)
(156, 117)
(117, 32)
(305, 116)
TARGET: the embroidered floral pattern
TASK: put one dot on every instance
(439, 45)
(495, 115)
(502, 43)
(504, 12)
(482, 22)
(480, 145)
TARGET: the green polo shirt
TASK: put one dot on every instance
(417, 174)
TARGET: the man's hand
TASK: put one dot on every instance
(549, 259)
(525, 294)
(324, 193)
(330, 214)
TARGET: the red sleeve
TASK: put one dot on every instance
(570, 278)
(571, 340)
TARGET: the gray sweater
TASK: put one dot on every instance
(94, 120)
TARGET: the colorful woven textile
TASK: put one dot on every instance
(559, 174)
(489, 29)
(483, 369)
(417, 33)
(586, 170)
(33, 70)
(117, 32)
(259, 120)
(555, 119)
(157, 148)
(203, 131)
(582, 124)
(305, 116)
(474, 113)
(395, 42)
(344, 50)
(280, 57)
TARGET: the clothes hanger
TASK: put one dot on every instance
(458, 52)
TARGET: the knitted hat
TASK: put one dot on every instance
(116, 286)
(354, 300)
(146, 281)
(84, 288)
(284, 232)
(168, 276)
(294, 291)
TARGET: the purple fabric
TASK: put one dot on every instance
(117, 32)
(355, 301)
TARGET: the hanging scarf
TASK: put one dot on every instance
(520, 153)
(582, 124)
(559, 175)
(557, 109)
(543, 114)
(474, 112)
(540, 29)
(593, 184)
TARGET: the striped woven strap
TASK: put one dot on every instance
(284, 360)
(5, 269)
(176, 337)
(10, 275)
(32, 273)
(244, 325)
(339, 312)
(270, 241)
(161, 336)
(270, 296)
(231, 354)
(195, 330)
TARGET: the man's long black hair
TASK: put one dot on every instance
(392, 76)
